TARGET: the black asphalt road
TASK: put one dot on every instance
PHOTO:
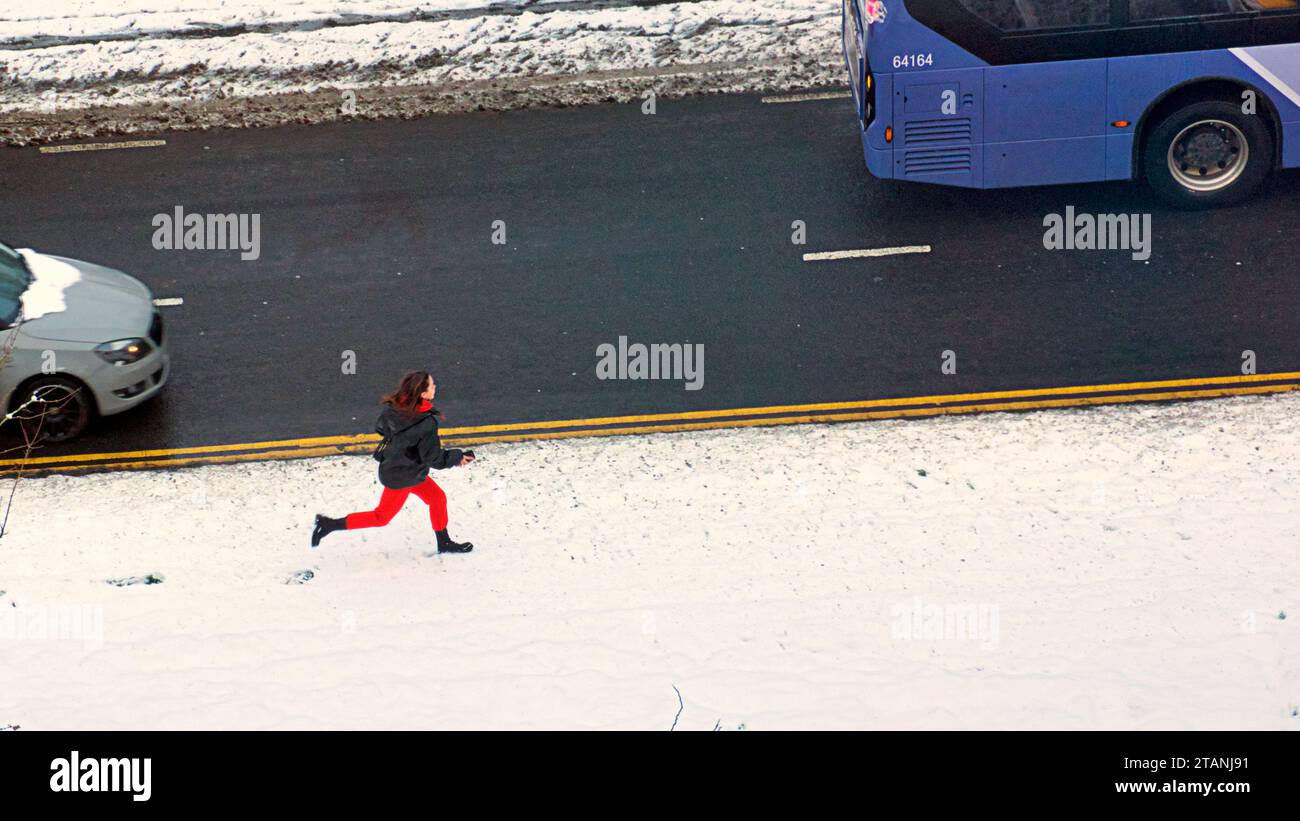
(672, 227)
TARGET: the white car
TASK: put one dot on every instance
(76, 340)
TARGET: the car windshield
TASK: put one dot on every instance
(14, 279)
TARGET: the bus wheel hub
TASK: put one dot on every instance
(1208, 155)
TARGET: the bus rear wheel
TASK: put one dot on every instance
(1208, 154)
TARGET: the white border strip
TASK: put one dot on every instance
(867, 252)
(68, 149)
(1273, 80)
(803, 98)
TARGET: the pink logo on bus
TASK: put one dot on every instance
(875, 11)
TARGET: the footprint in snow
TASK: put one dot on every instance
(300, 577)
(148, 578)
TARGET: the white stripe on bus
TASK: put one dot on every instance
(1272, 79)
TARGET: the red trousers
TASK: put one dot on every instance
(392, 500)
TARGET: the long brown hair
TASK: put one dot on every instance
(407, 396)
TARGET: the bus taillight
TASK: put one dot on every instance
(869, 103)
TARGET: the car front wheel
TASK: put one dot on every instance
(53, 409)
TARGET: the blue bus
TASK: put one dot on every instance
(1199, 97)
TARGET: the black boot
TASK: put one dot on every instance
(324, 527)
(446, 545)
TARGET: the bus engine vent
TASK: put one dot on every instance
(928, 132)
(937, 161)
(937, 146)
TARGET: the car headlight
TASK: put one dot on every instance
(124, 351)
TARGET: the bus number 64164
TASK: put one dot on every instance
(913, 60)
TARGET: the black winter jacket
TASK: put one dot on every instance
(414, 448)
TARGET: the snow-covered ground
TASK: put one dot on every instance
(719, 45)
(24, 22)
(1124, 567)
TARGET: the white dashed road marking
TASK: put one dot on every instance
(169, 301)
(867, 252)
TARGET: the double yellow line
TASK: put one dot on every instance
(917, 406)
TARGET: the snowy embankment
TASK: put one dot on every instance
(153, 73)
(1124, 567)
(27, 23)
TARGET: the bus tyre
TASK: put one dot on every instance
(1208, 154)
